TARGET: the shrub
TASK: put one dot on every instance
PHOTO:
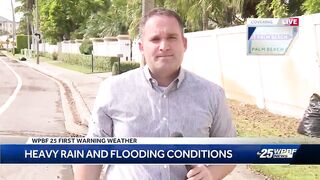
(86, 47)
(128, 65)
(100, 63)
(124, 67)
(115, 69)
(22, 43)
(16, 51)
(104, 63)
(54, 55)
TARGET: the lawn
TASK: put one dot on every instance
(254, 122)
(74, 67)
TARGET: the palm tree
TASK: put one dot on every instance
(147, 5)
(26, 8)
(208, 14)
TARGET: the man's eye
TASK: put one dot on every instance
(172, 38)
(155, 39)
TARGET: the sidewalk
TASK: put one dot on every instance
(83, 89)
(79, 90)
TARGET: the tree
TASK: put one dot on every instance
(311, 6)
(134, 13)
(195, 13)
(92, 14)
(75, 19)
(295, 8)
(64, 20)
(272, 9)
(209, 14)
(53, 20)
(26, 8)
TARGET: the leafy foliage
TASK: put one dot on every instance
(272, 9)
(100, 63)
(86, 47)
(22, 42)
(63, 20)
(124, 67)
(27, 9)
(77, 19)
(108, 23)
(311, 6)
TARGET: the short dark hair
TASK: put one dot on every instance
(159, 12)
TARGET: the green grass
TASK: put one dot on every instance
(74, 67)
(289, 172)
(254, 122)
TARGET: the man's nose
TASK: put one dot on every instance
(164, 45)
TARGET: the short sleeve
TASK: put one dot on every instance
(222, 125)
(101, 123)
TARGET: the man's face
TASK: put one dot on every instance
(163, 45)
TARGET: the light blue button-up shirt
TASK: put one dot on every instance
(133, 105)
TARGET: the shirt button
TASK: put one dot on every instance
(164, 96)
(165, 166)
(164, 118)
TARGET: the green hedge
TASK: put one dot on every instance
(86, 47)
(100, 63)
(22, 43)
(16, 51)
(124, 67)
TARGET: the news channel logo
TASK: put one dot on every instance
(271, 36)
(276, 153)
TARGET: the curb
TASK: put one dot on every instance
(75, 112)
(74, 108)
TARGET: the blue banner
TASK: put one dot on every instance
(160, 154)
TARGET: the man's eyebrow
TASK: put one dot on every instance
(173, 34)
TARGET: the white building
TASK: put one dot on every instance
(6, 25)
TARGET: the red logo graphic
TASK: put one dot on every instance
(291, 21)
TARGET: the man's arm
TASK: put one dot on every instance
(213, 172)
(220, 171)
(86, 172)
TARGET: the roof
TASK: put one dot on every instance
(4, 19)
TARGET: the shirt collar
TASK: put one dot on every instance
(153, 82)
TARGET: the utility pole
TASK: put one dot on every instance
(13, 28)
(147, 5)
(28, 33)
(37, 30)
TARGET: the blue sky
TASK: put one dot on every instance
(5, 10)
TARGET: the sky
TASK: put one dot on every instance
(5, 10)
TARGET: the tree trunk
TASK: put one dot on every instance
(205, 20)
(147, 5)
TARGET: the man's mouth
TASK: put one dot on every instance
(164, 56)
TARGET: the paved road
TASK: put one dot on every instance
(35, 111)
(8, 82)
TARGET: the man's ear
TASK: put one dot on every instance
(140, 46)
(185, 43)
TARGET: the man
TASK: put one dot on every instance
(159, 100)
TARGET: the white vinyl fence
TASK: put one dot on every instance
(119, 46)
(281, 84)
